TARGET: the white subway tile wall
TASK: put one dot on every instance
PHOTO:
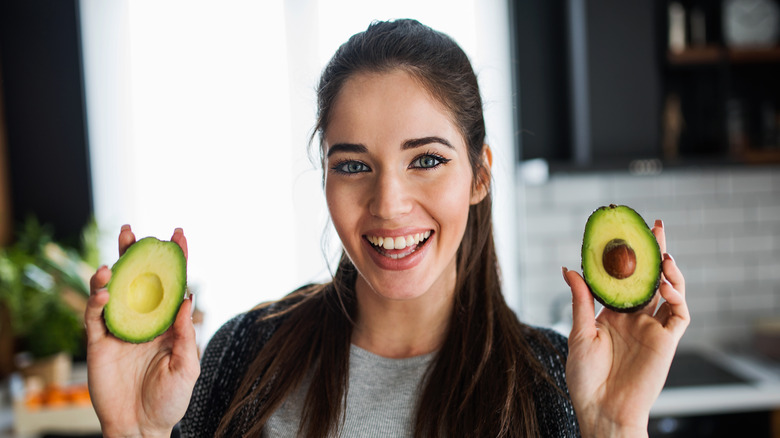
(722, 228)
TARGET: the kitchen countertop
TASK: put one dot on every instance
(718, 382)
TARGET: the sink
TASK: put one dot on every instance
(693, 368)
(705, 381)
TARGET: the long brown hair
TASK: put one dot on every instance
(481, 381)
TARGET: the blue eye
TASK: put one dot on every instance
(428, 161)
(350, 167)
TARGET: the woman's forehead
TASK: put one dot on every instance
(387, 106)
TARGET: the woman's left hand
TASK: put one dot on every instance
(618, 362)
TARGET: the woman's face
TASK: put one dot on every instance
(398, 184)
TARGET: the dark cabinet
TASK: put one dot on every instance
(604, 84)
(43, 107)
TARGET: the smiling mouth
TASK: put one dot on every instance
(398, 247)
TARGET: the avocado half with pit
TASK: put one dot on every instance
(147, 286)
(621, 259)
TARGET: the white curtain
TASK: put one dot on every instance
(199, 115)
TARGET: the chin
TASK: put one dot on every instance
(405, 287)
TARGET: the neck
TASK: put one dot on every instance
(401, 328)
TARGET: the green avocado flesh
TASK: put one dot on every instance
(621, 259)
(146, 289)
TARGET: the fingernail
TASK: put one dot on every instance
(668, 256)
(564, 271)
(178, 230)
(126, 227)
(659, 223)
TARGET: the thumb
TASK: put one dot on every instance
(583, 309)
(185, 349)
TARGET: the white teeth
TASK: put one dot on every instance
(399, 242)
(399, 256)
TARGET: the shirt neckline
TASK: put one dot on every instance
(406, 362)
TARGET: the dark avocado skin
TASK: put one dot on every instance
(598, 298)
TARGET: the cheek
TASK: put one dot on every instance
(451, 200)
(343, 206)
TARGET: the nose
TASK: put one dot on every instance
(391, 198)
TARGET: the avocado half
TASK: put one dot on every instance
(621, 259)
(147, 286)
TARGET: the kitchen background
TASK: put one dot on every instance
(675, 112)
(723, 229)
(150, 113)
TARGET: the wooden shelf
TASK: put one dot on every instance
(710, 55)
(759, 156)
(696, 56)
(771, 54)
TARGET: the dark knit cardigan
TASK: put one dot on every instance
(238, 341)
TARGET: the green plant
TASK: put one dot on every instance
(43, 285)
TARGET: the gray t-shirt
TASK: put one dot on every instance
(381, 398)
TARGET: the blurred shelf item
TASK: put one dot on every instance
(54, 370)
(52, 408)
(67, 419)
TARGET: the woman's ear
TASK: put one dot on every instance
(482, 186)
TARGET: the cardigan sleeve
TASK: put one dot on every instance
(554, 409)
(225, 361)
(212, 395)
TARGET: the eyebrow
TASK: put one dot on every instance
(417, 142)
(347, 147)
(408, 144)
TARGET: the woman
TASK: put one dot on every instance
(412, 337)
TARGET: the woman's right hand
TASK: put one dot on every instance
(139, 389)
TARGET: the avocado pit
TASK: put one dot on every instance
(619, 259)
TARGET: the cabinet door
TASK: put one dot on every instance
(588, 80)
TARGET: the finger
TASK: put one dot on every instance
(672, 273)
(679, 316)
(99, 280)
(660, 237)
(185, 349)
(660, 234)
(178, 237)
(126, 238)
(583, 309)
(93, 315)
